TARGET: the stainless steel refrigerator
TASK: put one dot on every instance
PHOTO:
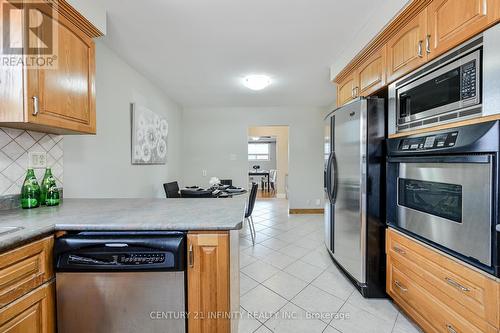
(355, 192)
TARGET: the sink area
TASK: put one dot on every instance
(9, 230)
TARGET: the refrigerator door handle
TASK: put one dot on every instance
(335, 179)
(329, 178)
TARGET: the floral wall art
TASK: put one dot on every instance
(149, 136)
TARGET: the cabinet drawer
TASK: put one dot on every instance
(469, 293)
(24, 269)
(427, 308)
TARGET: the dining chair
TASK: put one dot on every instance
(248, 214)
(172, 190)
(272, 179)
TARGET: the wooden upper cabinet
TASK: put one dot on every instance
(371, 74)
(406, 49)
(53, 99)
(345, 90)
(66, 94)
(452, 22)
(208, 282)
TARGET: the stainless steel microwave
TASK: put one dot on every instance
(447, 90)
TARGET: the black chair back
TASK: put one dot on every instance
(251, 199)
(197, 194)
(226, 182)
(172, 190)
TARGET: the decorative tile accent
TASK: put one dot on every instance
(15, 145)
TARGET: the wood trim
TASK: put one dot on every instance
(67, 11)
(446, 126)
(71, 14)
(399, 21)
(307, 211)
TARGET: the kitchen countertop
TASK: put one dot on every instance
(123, 214)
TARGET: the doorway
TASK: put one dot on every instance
(268, 161)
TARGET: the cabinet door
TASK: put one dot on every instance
(345, 90)
(208, 282)
(66, 94)
(452, 22)
(33, 313)
(371, 74)
(406, 49)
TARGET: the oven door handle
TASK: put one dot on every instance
(486, 159)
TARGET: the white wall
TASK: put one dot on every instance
(99, 166)
(387, 10)
(215, 139)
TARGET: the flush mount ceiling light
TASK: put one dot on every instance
(256, 82)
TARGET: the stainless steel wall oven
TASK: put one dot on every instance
(443, 189)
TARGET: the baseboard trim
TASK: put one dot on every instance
(307, 211)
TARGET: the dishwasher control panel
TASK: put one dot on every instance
(121, 251)
(141, 258)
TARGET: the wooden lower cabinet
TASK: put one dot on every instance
(25, 268)
(32, 313)
(438, 292)
(208, 283)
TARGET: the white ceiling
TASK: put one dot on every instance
(198, 51)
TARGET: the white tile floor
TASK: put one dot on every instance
(290, 284)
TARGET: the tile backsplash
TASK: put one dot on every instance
(14, 147)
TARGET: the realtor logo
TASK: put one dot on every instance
(29, 33)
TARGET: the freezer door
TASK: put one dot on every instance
(349, 135)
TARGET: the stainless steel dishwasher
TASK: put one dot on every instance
(121, 282)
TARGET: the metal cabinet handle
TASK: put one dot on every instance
(398, 250)
(400, 286)
(353, 94)
(356, 92)
(428, 44)
(450, 328)
(190, 256)
(456, 285)
(420, 51)
(35, 105)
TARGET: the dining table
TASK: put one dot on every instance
(223, 191)
(264, 173)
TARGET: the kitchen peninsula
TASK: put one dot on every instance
(211, 225)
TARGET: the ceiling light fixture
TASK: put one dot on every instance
(256, 82)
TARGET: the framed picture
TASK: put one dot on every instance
(149, 136)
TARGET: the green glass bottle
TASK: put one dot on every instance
(30, 192)
(47, 182)
(52, 198)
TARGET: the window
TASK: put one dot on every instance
(258, 152)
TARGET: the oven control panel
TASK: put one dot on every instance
(438, 141)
